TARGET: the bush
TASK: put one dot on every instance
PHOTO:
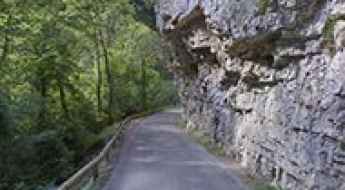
(36, 159)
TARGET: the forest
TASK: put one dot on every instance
(69, 69)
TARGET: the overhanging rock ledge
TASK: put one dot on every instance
(266, 80)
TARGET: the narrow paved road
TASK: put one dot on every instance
(158, 156)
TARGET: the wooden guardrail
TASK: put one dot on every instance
(93, 170)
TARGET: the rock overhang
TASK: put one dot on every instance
(247, 28)
(264, 78)
(238, 18)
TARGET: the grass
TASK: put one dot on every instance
(207, 142)
(204, 140)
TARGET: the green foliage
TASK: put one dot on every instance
(68, 69)
(5, 124)
(145, 11)
(328, 32)
(206, 141)
(263, 6)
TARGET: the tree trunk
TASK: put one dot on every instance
(43, 109)
(143, 86)
(6, 44)
(63, 99)
(99, 75)
(109, 76)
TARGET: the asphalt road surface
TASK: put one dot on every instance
(156, 155)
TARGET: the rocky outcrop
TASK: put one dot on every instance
(266, 80)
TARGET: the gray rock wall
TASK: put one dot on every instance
(266, 80)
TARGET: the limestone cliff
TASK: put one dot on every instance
(266, 80)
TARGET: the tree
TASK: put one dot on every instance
(69, 68)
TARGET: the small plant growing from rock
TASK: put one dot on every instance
(263, 6)
(328, 32)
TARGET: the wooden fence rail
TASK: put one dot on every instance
(93, 170)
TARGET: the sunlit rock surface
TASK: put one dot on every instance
(265, 79)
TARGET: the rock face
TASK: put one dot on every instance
(266, 80)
